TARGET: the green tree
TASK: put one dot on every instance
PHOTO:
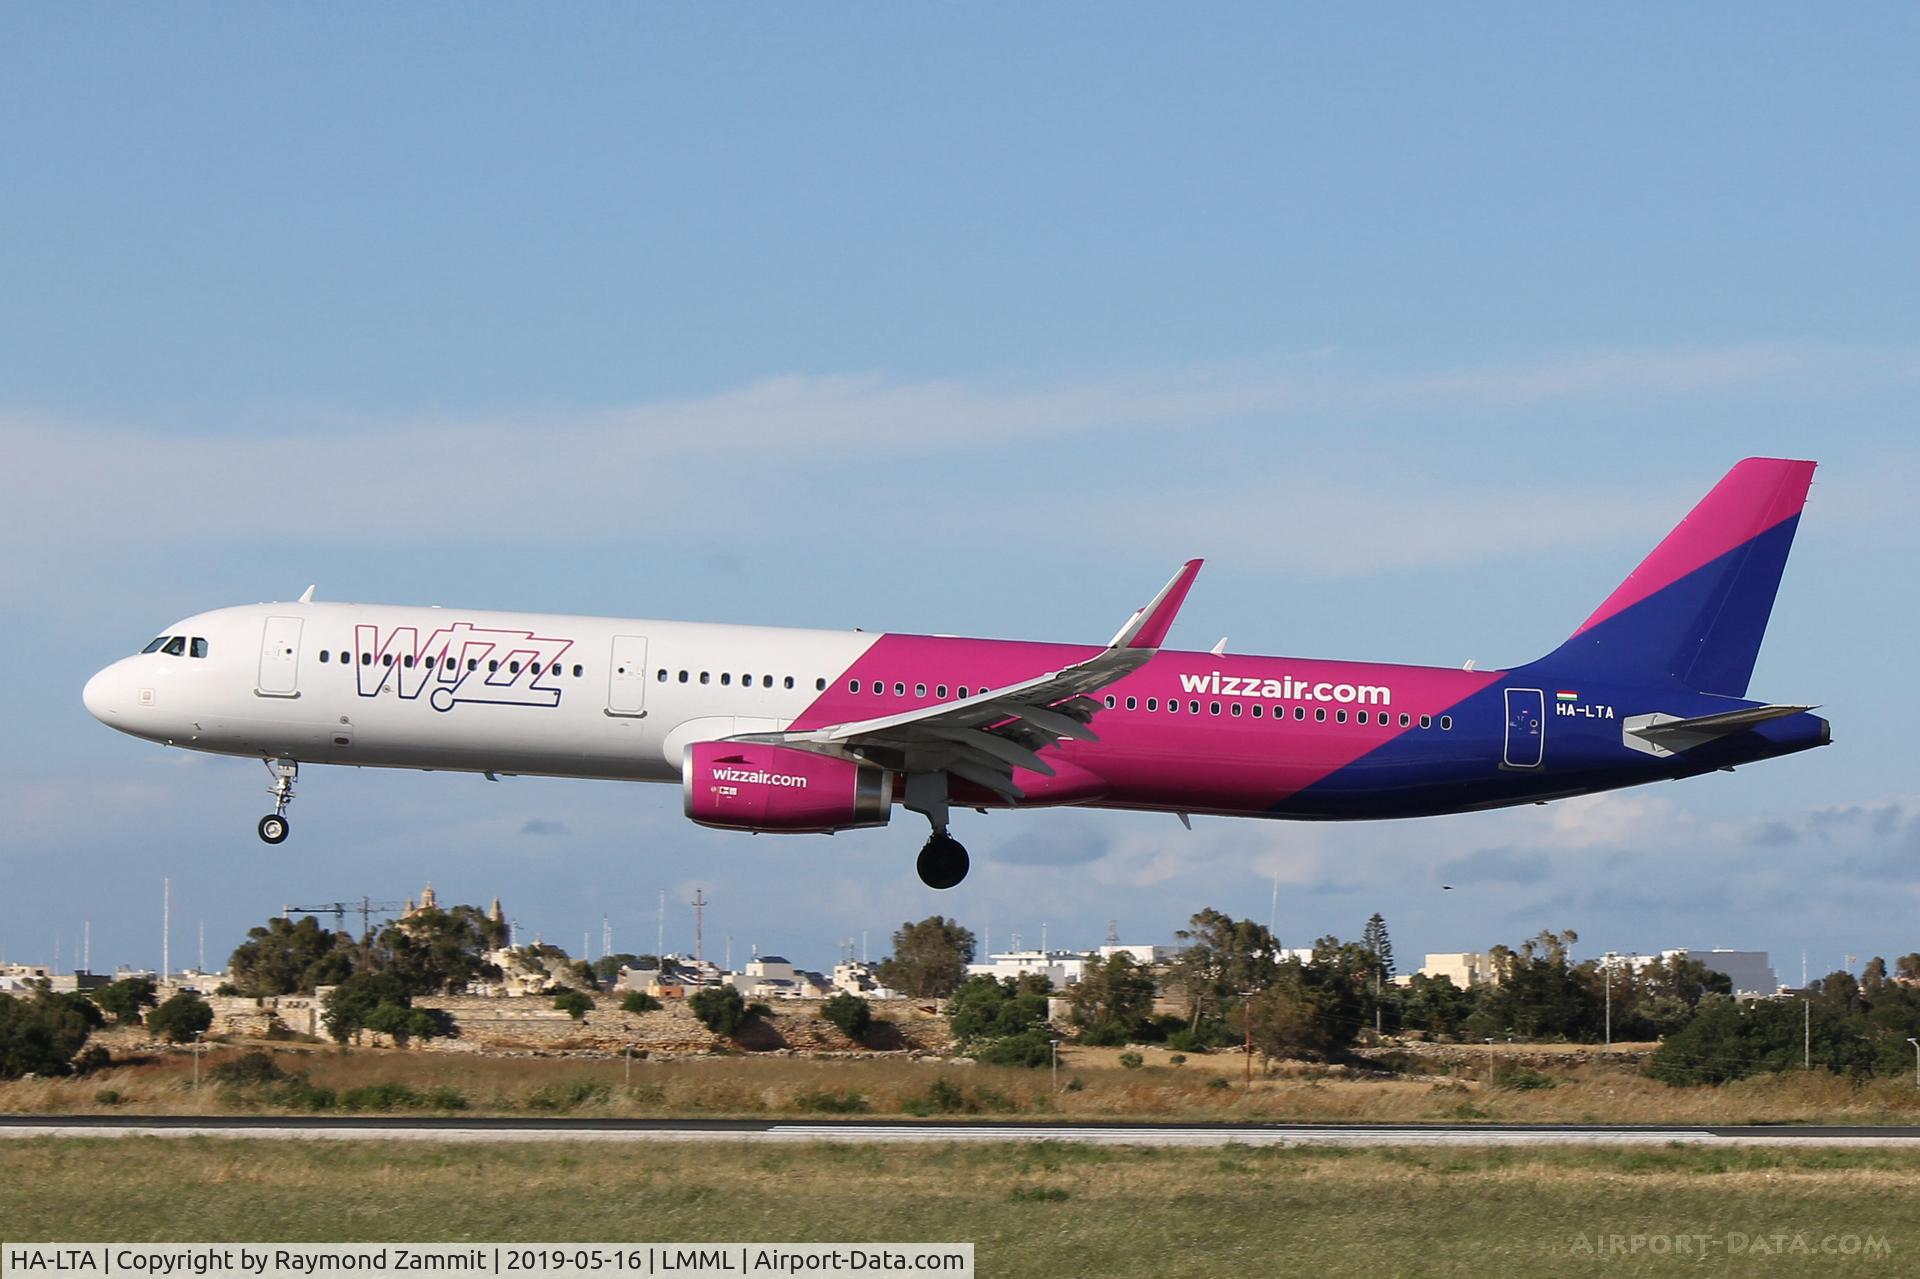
(1540, 995)
(1113, 1000)
(1314, 1008)
(850, 1015)
(287, 957)
(125, 998)
(929, 958)
(719, 1008)
(40, 1036)
(639, 1001)
(1436, 1005)
(576, 1004)
(379, 1002)
(1378, 945)
(1223, 958)
(606, 969)
(181, 1017)
(984, 1009)
(1730, 1040)
(435, 951)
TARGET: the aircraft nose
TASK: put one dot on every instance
(98, 695)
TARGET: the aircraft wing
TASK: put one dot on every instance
(985, 737)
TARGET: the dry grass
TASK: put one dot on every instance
(1092, 1086)
(1052, 1210)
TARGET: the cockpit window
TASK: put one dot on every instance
(175, 646)
(199, 647)
(155, 646)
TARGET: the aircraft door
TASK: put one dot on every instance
(1526, 727)
(280, 658)
(627, 676)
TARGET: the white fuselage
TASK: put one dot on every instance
(406, 687)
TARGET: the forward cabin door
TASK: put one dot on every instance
(627, 676)
(1526, 727)
(280, 658)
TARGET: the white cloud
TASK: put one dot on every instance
(764, 447)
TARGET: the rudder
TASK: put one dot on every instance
(1696, 609)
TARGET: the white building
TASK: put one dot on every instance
(853, 977)
(1749, 971)
(1463, 968)
(1061, 968)
(1140, 954)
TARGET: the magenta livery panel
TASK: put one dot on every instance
(806, 731)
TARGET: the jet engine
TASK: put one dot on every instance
(777, 789)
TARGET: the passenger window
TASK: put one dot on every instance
(199, 648)
(1256, 710)
(473, 663)
(919, 690)
(766, 681)
(963, 692)
(663, 675)
(1109, 701)
(366, 659)
(1446, 723)
(820, 685)
(746, 681)
(1133, 703)
(578, 671)
(1193, 708)
(1405, 719)
(940, 691)
(491, 666)
(325, 655)
(1426, 721)
(683, 674)
(1340, 717)
(1360, 717)
(899, 689)
(386, 659)
(789, 680)
(175, 646)
(726, 677)
(705, 677)
(156, 646)
(513, 668)
(346, 658)
(1235, 708)
(1320, 714)
(1216, 708)
(853, 686)
(407, 661)
(1153, 703)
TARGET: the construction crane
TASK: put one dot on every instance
(366, 907)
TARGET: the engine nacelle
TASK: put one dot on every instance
(776, 789)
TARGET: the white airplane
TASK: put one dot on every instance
(809, 731)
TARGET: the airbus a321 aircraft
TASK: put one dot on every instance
(807, 731)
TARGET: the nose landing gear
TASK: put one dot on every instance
(273, 827)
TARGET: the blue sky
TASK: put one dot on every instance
(974, 320)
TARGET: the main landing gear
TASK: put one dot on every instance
(273, 827)
(943, 859)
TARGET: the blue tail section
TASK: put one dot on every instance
(1695, 611)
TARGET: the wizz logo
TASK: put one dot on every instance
(460, 663)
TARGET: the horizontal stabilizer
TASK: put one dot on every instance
(1667, 734)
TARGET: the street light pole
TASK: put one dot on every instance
(1609, 1007)
(1054, 1044)
(1916, 1061)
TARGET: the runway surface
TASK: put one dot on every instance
(408, 1128)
